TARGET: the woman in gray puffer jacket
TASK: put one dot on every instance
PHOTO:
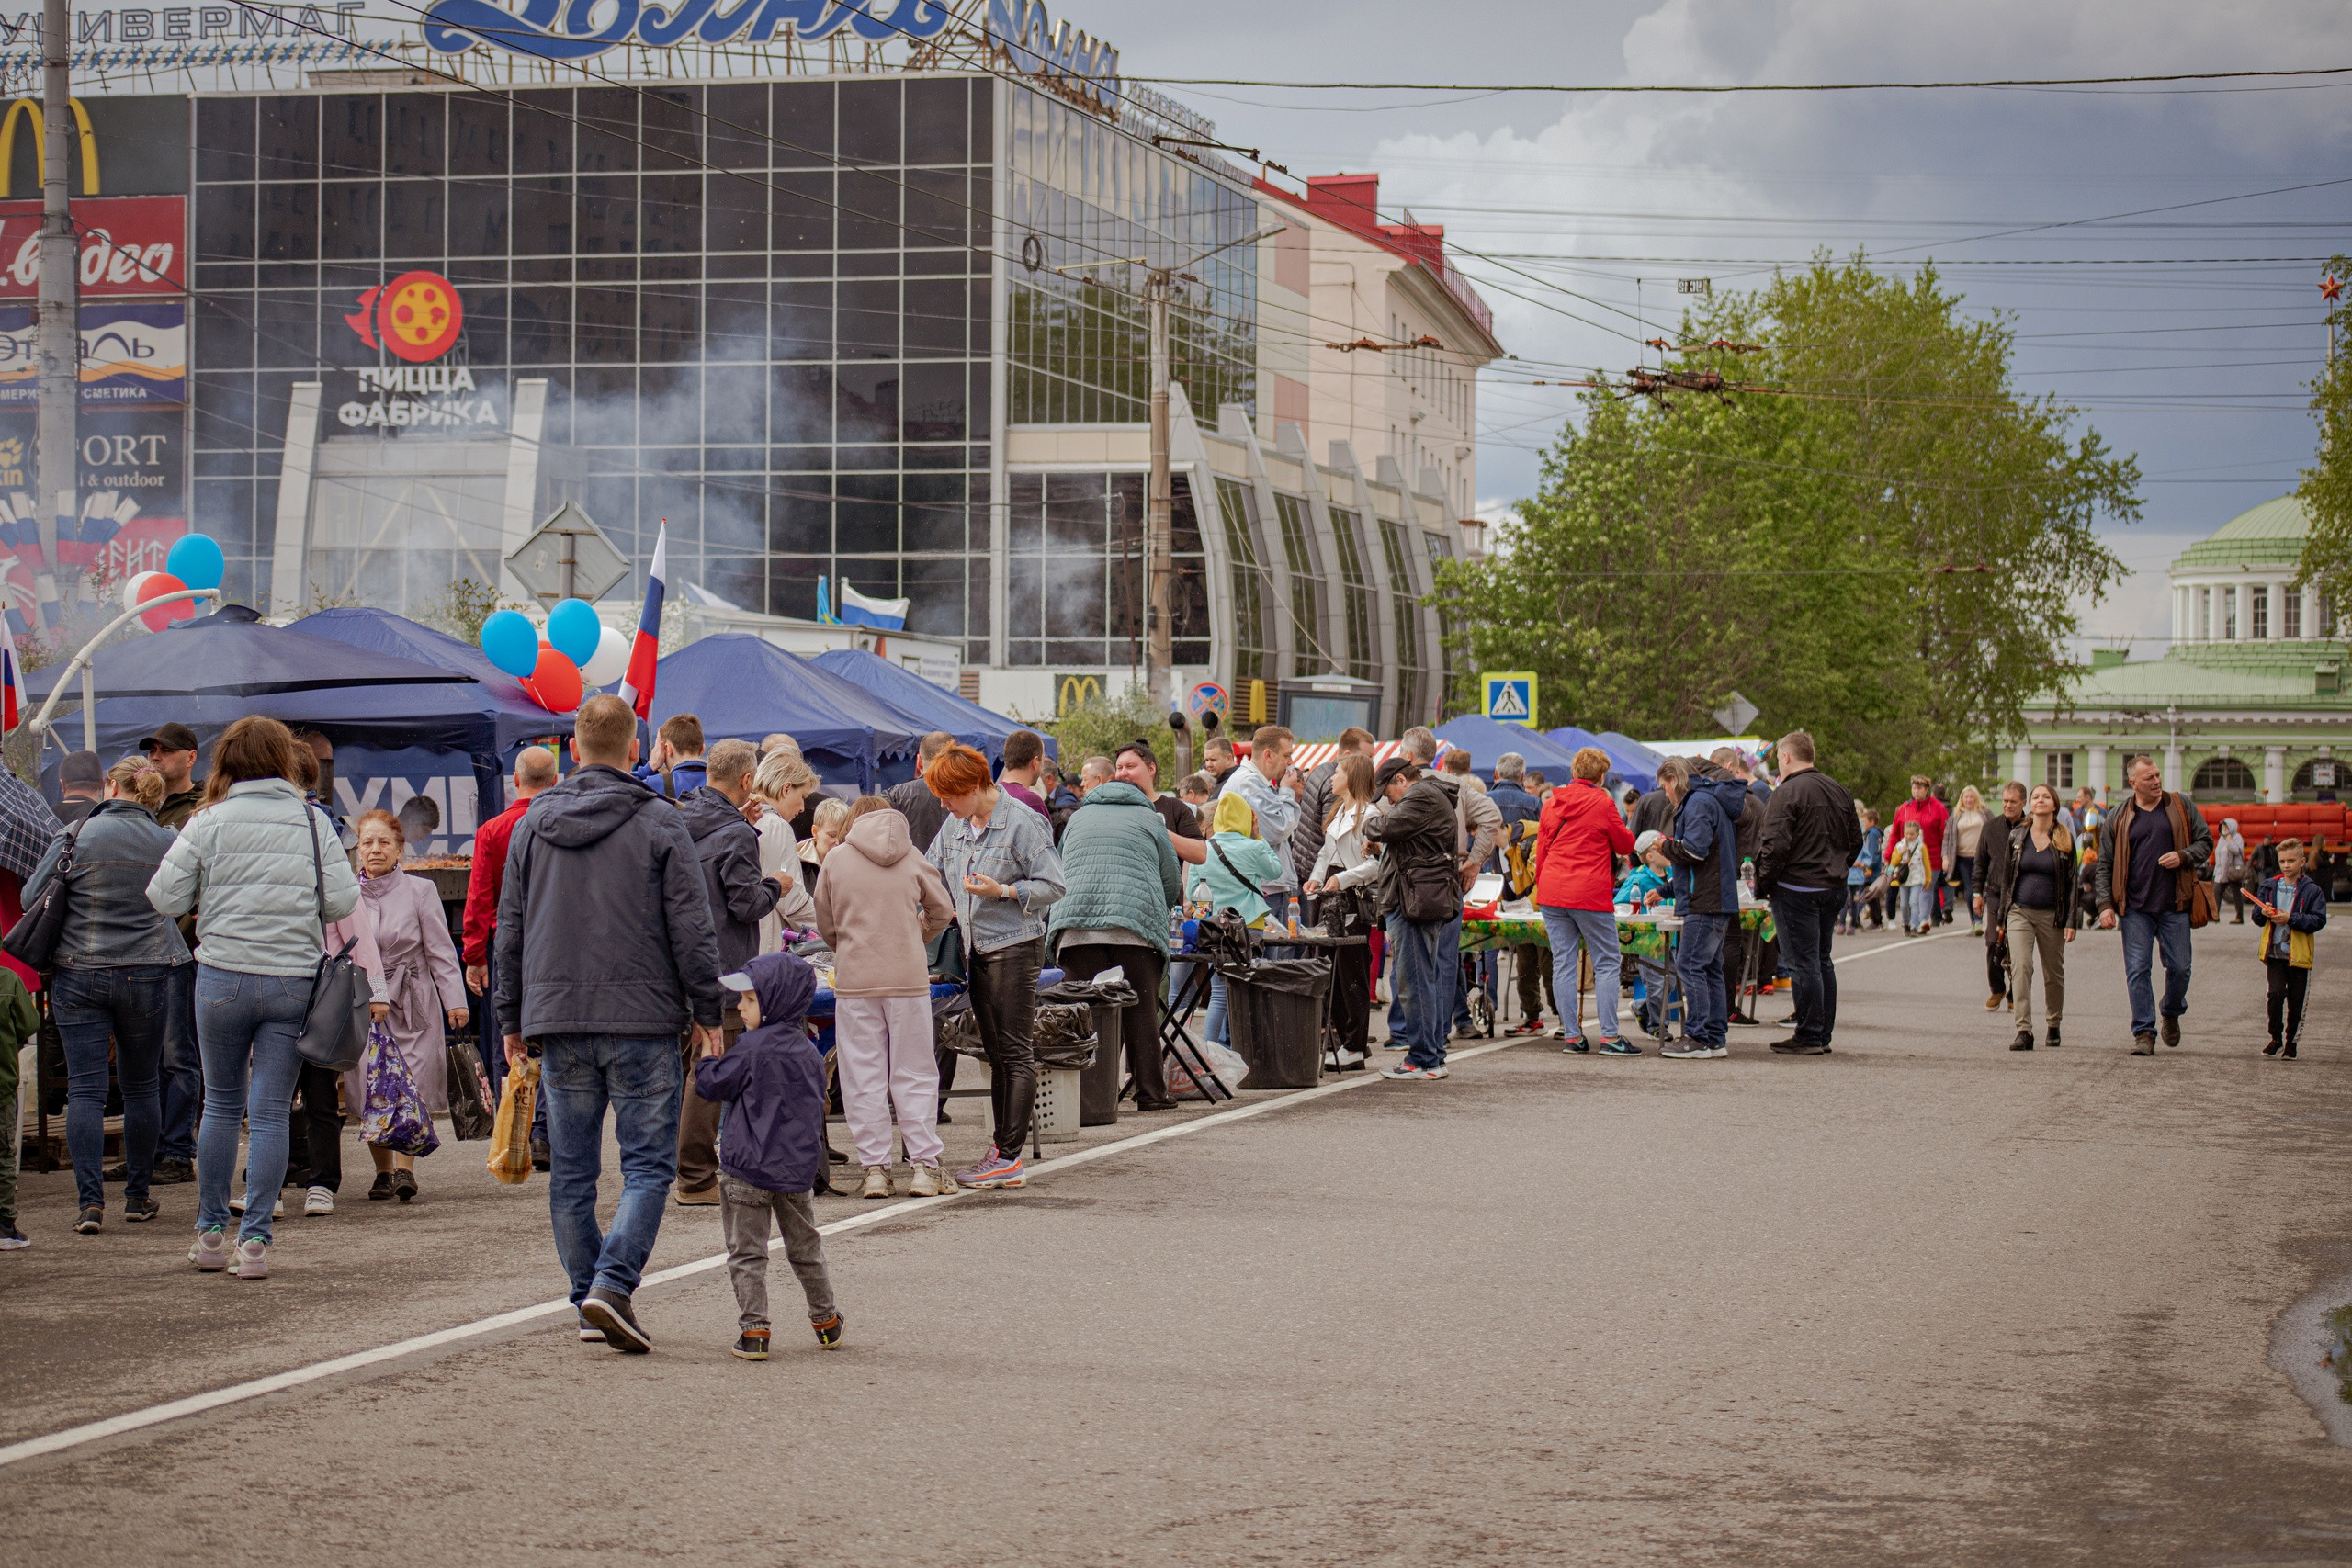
(265, 872)
(115, 957)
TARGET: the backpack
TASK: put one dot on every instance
(1518, 859)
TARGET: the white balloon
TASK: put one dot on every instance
(130, 589)
(611, 661)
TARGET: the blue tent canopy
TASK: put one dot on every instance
(1637, 762)
(516, 718)
(1486, 739)
(398, 716)
(940, 709)
(743, 687)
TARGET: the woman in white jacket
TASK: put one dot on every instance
(1343, 876)
(265, 872)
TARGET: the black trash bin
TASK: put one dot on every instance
(1098, 1087)
(1274, 1011)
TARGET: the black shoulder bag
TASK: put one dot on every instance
(334, 1027)
(32, 941)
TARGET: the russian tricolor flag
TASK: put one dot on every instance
(645, 655)
(12, 684)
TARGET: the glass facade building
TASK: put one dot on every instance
(880, 329)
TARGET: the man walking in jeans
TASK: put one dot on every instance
(2155, 844)
(1810, 835)
(605, 950)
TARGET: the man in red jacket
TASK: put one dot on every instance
(1577, 842)
(1933, 815)
(534, 770)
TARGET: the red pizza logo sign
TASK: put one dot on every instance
(416, 315)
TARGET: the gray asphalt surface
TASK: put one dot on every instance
(1923, 1301)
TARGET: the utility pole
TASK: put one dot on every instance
(58, 332)
(1159, 509)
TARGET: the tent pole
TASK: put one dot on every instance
(39, 722)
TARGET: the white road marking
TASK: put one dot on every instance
(214, 1399)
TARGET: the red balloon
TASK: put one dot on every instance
(157, 584)
(555, 685)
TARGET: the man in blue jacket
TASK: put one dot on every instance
(605, 952)
(1704, 850)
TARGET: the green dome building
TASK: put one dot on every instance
(2248, 704)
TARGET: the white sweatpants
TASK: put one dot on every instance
(883, 1049)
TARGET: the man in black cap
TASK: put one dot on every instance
(1425, 840)
(81, 784)
(172, 749)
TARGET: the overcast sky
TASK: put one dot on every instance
(2194, 357)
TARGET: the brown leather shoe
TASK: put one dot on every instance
(708, 1198)
(1993, 1003)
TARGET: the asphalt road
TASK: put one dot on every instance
(1922, 1300)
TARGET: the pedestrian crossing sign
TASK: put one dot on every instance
(1510, 698)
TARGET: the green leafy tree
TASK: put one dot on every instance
(1098, 728)
(2326, 488)
(1884, 546)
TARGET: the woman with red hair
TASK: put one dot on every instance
(1001, 874)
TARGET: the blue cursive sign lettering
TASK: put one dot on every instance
(590, 28)
(1036, 46)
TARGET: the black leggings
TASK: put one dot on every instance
(1350, 1001)
(2287, 985)
(316, 1141)
(1004, 1002)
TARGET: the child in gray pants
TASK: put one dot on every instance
(771, 1082)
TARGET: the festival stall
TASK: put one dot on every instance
(1486, 739)
(940, 709)
(742, 687)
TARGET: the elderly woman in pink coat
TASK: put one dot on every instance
(416, 976)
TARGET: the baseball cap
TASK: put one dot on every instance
(1647, 841)
(737, 981)
(1389, 770)
(171, 737)
(81, 769)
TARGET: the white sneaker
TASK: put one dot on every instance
(1690, 1051)
(318, 1201)
(276, 1210)
(931, 1181)
(249, 1260)
(877, 1182)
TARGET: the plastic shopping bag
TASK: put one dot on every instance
(470, 1113)
(1225, 1063)
(510, 1140)
(393, 1116)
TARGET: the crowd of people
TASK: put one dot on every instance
(646, 936)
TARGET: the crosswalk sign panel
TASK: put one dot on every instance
(1510, 698)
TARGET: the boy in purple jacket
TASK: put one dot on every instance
(771, 1143)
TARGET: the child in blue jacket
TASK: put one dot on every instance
(770, 1143)
(2292, 906)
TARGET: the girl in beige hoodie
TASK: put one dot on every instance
(878, 904)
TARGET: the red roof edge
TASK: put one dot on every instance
(1352, 203)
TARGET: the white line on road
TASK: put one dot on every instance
(197, 1403)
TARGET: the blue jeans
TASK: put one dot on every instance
(1428, 961)
(127, 1004)
(1216, 1026)
(1597, 931)
(183, 1069)
(1918, 906)
(1400, 1012)
(245, 1027)
(2142, 934)
(1700, 963)
(642, 1081)
(1807, 921)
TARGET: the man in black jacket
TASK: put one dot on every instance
(1420, 836)
(1810, 837)
(740, 898)
(913, 799)
(1992, 860)
(605, 952)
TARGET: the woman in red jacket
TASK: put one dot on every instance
(1577, 845)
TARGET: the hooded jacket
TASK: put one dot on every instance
(252, 865)
(878, 904)
(729, 848)
(772, 1082)
(1577, 842)
(604, 922)
(1419, 835)
(1120, 869)
(1705, 845)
